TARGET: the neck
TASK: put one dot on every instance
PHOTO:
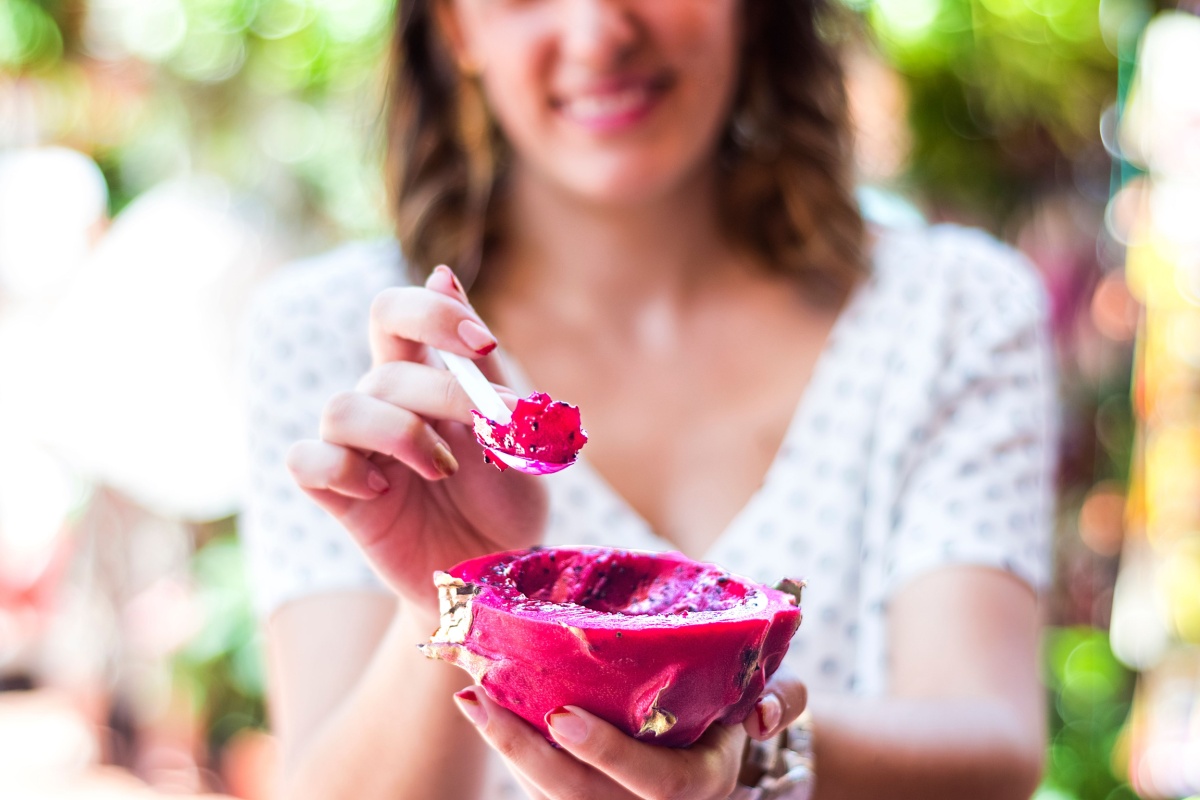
(562, 251)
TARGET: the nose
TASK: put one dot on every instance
(598, 34)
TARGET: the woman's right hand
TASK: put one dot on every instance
(385, 465)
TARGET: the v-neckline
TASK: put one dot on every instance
(806, 406)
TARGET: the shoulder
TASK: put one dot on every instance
(961, 266)
(955, 285)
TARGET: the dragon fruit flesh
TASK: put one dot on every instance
(542, 429)
(657, 644)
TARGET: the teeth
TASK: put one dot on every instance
(606, 105)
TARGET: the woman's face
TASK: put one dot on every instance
(618, 101)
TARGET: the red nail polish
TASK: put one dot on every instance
(468, 702)
(478, 338)
(769, 713)
(568, 726)
(458, 287)
(762, 717)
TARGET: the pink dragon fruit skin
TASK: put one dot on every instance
(657, 644)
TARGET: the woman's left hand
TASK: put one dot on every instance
(599, 762)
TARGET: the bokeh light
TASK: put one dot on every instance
(204, 142)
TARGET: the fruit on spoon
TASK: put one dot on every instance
(541, 431)
(657, 644)
(539, 437)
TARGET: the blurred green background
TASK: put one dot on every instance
(984, 111)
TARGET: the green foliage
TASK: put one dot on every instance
(1004, 94)
(29, 37)
(281, 97)
(1090, 694)
(221, 667)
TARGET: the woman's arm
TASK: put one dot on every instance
(965, 718)
(965, 715)
(360, 713)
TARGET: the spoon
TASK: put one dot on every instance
(489, 404)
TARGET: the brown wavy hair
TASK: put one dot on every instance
(786, 154)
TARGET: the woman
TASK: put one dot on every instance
(651, 204)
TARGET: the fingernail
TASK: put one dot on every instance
(443, 460)
(469, 704)
(567, 725)
(769, 711)
(377, 482)
(449, 273)
(434, 273)
(476, 337)
(457, 286)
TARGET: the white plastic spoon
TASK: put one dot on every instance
(488, 403)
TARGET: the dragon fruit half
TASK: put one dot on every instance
(657, 644)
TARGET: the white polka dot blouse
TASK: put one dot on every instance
(925, 439)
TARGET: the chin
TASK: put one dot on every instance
(633, 183)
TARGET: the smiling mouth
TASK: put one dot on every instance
(614, 107)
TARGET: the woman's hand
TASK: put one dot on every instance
(397, 463)
(598, 762)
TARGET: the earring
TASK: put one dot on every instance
(751, 136)
(743, 130)
(475, 131)
(469, 68)
(478, 143)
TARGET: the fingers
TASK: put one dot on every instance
(323, 466)
(334, 477)
(532, 791)
(363, 422)
(705, 771)
(549, 772)
(782, 701)
(443, 281)
(404, 319)
(432, 393)
(600, 762)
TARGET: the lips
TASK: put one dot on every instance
(614, 104)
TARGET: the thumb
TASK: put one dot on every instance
(783, 700)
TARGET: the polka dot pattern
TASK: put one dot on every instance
(296, 355)
(923, 440)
